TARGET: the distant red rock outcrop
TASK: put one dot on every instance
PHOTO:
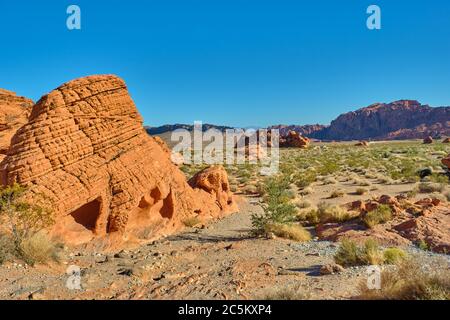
(428, 140)
(446, 161)
(86, 152)
(14, 112)
(294, 140)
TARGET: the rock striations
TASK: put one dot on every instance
(85, 151)
(14, 112)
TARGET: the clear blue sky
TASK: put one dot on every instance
(233, 62)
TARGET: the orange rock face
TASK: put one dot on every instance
(14, 112)
(446, 140)
(294, 140)
(86, 152)
(214, 180)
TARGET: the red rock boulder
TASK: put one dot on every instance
(294, 140)
(428, 140)
(446, 161)
(214, 180)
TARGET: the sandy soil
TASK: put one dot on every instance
(219, 261)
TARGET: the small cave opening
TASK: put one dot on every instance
(88, 214)
(168, 207)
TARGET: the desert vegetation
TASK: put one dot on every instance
(411, 279)
(279, 213)
(369, 253)
(23, 234)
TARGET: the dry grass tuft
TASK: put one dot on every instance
(191, 222)
(411, 280)
(289, 231)
(39, 248)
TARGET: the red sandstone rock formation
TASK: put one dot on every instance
(85, 151)
(294, 140)
(446, 140)
(14, 112)
(214, 180)
(362, 143)
(428, 140)
(446, 161)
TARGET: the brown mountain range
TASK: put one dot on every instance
(403, 119)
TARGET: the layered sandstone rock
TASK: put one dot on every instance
(14, 112)
(85, 151)
(294, 140)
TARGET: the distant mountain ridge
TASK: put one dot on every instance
(402, 119)
(172, 127)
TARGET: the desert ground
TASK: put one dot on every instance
(235, 258)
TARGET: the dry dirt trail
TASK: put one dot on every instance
(218, 261)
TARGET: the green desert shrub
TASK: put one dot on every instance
(372, 254)
(350, 254)
(277, 206)
(24, 224)
(422, 245)
(394, 255)
(304, 179)
(382, 214)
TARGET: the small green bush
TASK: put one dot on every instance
(381, 214)
(277, 208)
(394, 255)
